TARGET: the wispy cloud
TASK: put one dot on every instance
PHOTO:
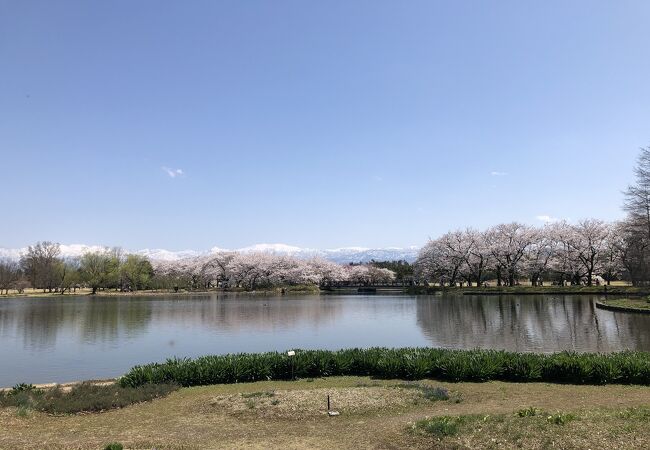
(547, 219)
(173, 173)
(495, 173)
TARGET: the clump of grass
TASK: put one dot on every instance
(114, 446)
(435, 394)
(528, 412)
(430, 393)
(560, 418)
(23, 411)
(23, 387)
(635, 412)
(439, 426)
(83, 397)
(258, 394)
(250, 403)
(275, 402)
(404, 363)
(364, 384)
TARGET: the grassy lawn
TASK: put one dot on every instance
(373, 414)
(636, 303)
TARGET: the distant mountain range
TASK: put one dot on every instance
(340, 255)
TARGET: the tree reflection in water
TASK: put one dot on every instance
(62, 339)
(530, 323)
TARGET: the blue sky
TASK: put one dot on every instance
(316, 124)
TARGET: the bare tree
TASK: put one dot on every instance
(637, 225)
(40, 265)
(637, 195)
(9, 275)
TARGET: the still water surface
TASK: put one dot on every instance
(58, 340)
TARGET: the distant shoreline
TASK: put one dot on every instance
(407, 290)
(159, 293)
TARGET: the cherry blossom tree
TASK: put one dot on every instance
(477, 255)
(539, 254)
(508, 244)
(588, 243)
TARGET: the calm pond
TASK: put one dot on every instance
(77, 338)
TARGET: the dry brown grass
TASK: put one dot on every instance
(374, 414)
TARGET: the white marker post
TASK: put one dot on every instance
(291, 354)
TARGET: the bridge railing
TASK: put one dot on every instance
(367, 285)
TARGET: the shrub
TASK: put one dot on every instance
(403, 363)
(84, 397)
(23, 387)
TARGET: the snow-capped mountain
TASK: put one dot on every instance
(339, 255)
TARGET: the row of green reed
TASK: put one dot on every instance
(399, 363)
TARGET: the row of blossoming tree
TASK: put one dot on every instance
(260, 269)
(588, 252)
(42, 267)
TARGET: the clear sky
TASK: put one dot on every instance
(193, 124)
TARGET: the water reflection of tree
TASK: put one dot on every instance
(529, 323)
(222, 313)
(111, 321)
(42, 321)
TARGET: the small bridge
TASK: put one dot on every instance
(366, 288)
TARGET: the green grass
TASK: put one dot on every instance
(114, 446)
(440, 426)
(82, 397)
(401, 363)
(257, 394)
(632, 303)
(494, 431)
(560, 418)
(528, 412)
